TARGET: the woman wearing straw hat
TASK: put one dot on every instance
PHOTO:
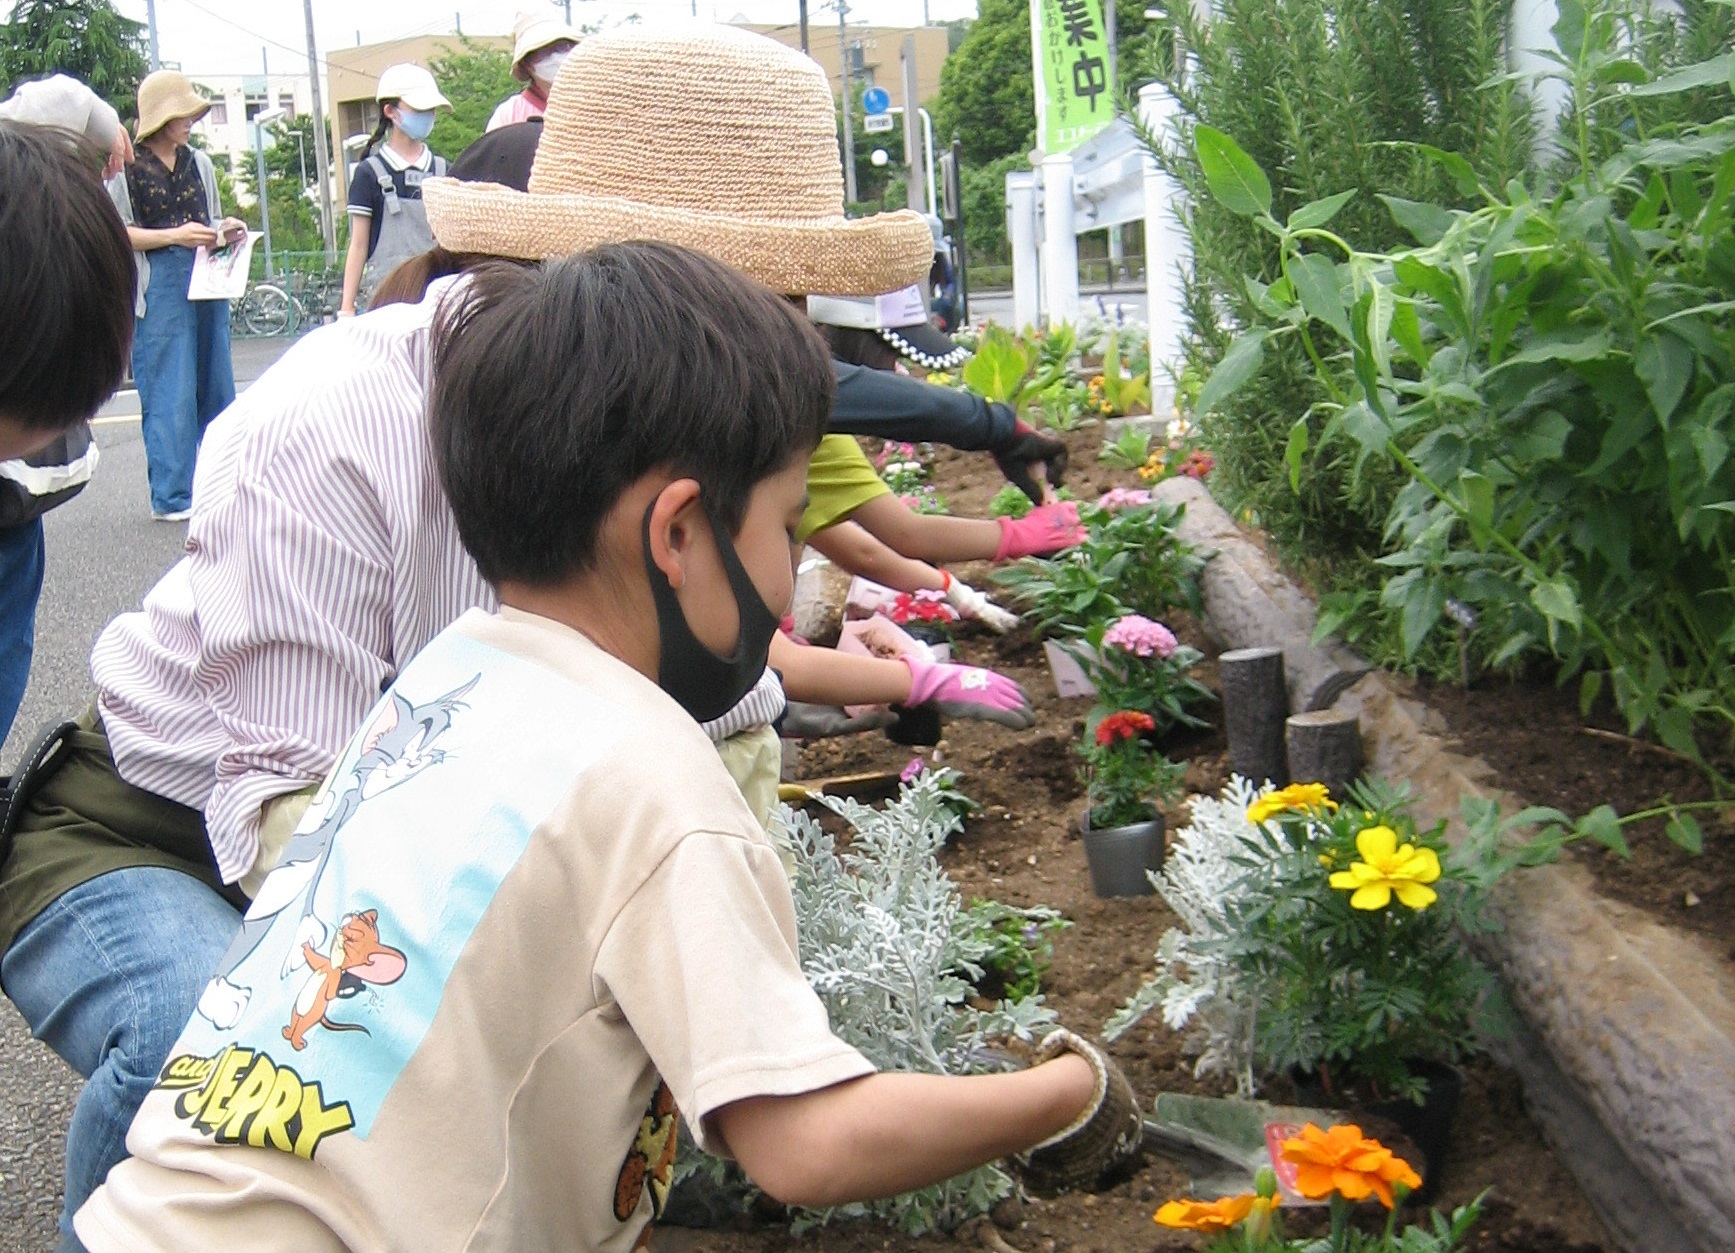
(323, 555)
(168, 199)
(539, 49)
(386, 222)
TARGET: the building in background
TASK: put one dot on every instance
(236, 99)
(874, 51)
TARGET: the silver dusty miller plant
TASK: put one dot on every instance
(884, 942)
(1196, 985)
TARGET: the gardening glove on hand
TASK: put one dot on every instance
(802, 721)
(1104, 1137)
(1027, 448)
(973, 604)
(968, 692)
(1045, 529)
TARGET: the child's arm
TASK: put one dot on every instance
(853, 548)
(927, 536)
(889, 1133)
(824, 676)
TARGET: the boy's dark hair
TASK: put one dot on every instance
(67, 280)
(556, 387)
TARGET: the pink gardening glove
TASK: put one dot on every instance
(1045, 529)
(968, 692)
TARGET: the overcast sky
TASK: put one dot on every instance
(225, 36)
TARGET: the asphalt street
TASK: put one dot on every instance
(104, 553)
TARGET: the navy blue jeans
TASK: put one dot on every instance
(20, 588)
(181, 364)
(107, 977)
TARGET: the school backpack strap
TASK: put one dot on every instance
(439, 166)
(41, 760)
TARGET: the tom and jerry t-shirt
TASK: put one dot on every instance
(527, 919)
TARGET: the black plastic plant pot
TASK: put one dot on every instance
(1428, 1125)
(928, 632)
(1122, 858)
(917, 726)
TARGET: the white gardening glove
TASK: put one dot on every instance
(973, 604)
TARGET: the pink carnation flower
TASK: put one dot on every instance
(1118, 498)
(1139, 635)
(913, 771)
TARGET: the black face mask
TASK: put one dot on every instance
(704, 684)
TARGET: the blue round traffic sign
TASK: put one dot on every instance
(876, 100)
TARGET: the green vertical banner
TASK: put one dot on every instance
(1074, 80)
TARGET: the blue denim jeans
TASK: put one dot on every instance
(181, 364)
(20, 588)
(107, 976)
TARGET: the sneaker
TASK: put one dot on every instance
(174, 515)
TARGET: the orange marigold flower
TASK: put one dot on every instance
(1206, 1215)
(1127, 724)
(1344, 1161)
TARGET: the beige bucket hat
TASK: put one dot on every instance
(532, 34)
(715, 139)
(164, 96)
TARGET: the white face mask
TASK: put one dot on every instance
(547, 66)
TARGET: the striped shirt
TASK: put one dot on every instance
(321, 557)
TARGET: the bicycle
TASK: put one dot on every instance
(266, 310)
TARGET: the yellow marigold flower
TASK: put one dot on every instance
(1295, 796)
(1387, 868)
(1344, 1161)
(1206, 1215)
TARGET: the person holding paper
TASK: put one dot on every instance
(167, 196)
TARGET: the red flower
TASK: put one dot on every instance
(1125, 725)
(920, 608)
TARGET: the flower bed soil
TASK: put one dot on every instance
(1023, 848)
(1531, 733)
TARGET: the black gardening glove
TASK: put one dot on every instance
(802, 721)
(1102, 1139)
(1026, 448)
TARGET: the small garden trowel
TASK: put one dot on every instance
(1225, 1142)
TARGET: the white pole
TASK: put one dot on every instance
(1531, 35)
(917, 178)
(848, 122)
(151, 22)
(1059, 240)
(1026, 260)
(1167, 253)
(928, 142)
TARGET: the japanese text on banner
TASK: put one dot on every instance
(1074, 78)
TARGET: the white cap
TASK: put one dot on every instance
(411, 85)
(904, 307)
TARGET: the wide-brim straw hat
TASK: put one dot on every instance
(164, 96)
(533, 34)
(714, 139)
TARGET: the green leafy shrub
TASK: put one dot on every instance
(1324, 94)
(1552, 381)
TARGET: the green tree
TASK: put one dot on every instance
(87, 39)
(294, 213)
(475, 77)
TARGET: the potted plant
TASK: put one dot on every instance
(925, 616)
(1124, 782)
(1329, 938)
(1137, 663)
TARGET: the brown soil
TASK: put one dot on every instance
(1531, 733)
(1023, 848)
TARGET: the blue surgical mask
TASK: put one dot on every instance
(415, 123)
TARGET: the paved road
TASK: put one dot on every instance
(104, 553)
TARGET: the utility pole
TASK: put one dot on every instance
(567, 5)
(321, 158)
(848, 121)
(803, 9)
(151, 21)
(916, 179)
(1116, 250)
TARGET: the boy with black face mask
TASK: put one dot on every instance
(563, 921)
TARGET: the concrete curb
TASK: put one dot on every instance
(1627, 1044)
